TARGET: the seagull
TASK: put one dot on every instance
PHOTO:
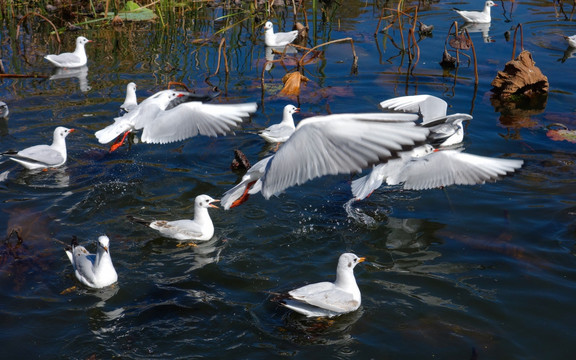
(328, 299)
(427, 168)
(131, 100)
(43, 156)
(3, 110)
(571, 40)
(69, 60)
(200, 228)
(279, 39)
(330, 145)
(165, 118)
(477, 16)
(93, 270)
(279, 133)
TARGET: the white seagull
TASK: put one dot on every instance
(428, 168)
(330, 145)
(571, 40)
(93, 270)
(131, 101)
(279, 133)
(329, 298)
(43, 156)
(161, 121)
(69, 60)
(3, 110)
(279, 39)
(200, 228)
(481, 17)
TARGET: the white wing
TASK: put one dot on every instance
(452, 167)
(41, 154)
(63, 59)
(277, 133)
(285, 37)
(179, 229)
(194, 118)
(428, 106)
(337, 144)
(326, 296)
(83, 265)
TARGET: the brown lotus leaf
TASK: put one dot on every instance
(448, 61)
(520, 76)
(292, 83)
(460, 42)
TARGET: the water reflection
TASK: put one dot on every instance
(484, 29)
(320, 331)
(80, 73)
(205, 253)
(52, 178)
(271, 53)
(568, 54)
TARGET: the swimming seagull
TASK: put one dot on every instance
(571, 40)
(279, 133)
(279, 39)
(327, 298)
(200, 228)
(69, 60)
(131, 101)
(164, 118)
(3, 110)
(43, 156)
(477, 16)
(329, 145)
(93, 270)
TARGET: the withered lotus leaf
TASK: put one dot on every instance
(292, 83)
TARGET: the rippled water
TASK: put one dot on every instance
(484, 271)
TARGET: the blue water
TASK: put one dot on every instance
(453, 273)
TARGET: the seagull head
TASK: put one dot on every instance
(268, 26)
(291, 109)
(104, 242)
(349, 261)
(205, 201)
(81, 40)
(61, 132)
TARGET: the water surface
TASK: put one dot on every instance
(486, 270)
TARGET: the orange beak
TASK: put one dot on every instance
(214, 206)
